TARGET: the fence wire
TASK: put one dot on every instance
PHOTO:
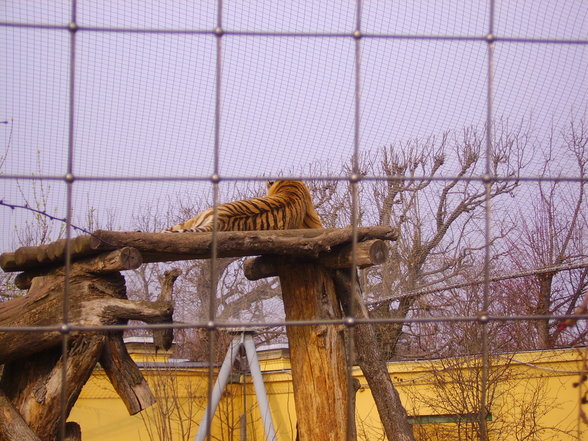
(359, 36)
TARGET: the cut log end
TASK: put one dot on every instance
(368, 253)
(123, 259)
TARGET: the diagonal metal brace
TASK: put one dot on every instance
(244, 339)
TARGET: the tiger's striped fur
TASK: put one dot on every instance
(288, 205)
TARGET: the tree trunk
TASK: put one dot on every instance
(34, 384)
(317, 352)
(369, 357)
(543, 308)
(12, 425)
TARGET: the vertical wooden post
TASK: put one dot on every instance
(317, 353)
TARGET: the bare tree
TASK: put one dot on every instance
(431, 195)
(179, 403)
(515, 408)
(553, 234)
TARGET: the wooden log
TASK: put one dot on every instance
(56, 250)
(125, 376)
(163, 247)
(94, 301)
(317, 353)
(12, 426)
(260, 267)
(34, 384)
(296, 243)
(368, 253)
(26, 258)
(73, 431)
(392, 414)
(25, 254)
(123, 259)
(163, 338)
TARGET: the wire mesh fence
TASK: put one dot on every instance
(463, 126)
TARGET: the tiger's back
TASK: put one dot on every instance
(288, 205)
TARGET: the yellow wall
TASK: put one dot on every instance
(534, 391)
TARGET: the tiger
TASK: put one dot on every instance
(287, 205)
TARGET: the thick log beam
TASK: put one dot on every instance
(122, 259)
(368, 253)
(54, 253)
(94, 301)
(317, 353)
(163, 247)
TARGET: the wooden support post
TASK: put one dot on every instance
(317, 353)
(391, 411)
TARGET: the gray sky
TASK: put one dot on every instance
(145, 102)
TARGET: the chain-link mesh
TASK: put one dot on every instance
(142, 101)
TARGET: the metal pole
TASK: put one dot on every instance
(264, 409)
(219, 386)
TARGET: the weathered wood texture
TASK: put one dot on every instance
(317, 353)
(42, 255)
(34, 384)
(368, 253)
(96, 296)
(73, 431)
(12, 426)
(122, 259)
(125, 376)
(163, 338)
(33, 361)
(162, 247)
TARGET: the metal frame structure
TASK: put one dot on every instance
(243, 340)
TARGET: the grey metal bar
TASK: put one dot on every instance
(260, 392)
(244, 339)
(219, 386)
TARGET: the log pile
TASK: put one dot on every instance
(39, 325)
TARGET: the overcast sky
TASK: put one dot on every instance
(144, 103)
